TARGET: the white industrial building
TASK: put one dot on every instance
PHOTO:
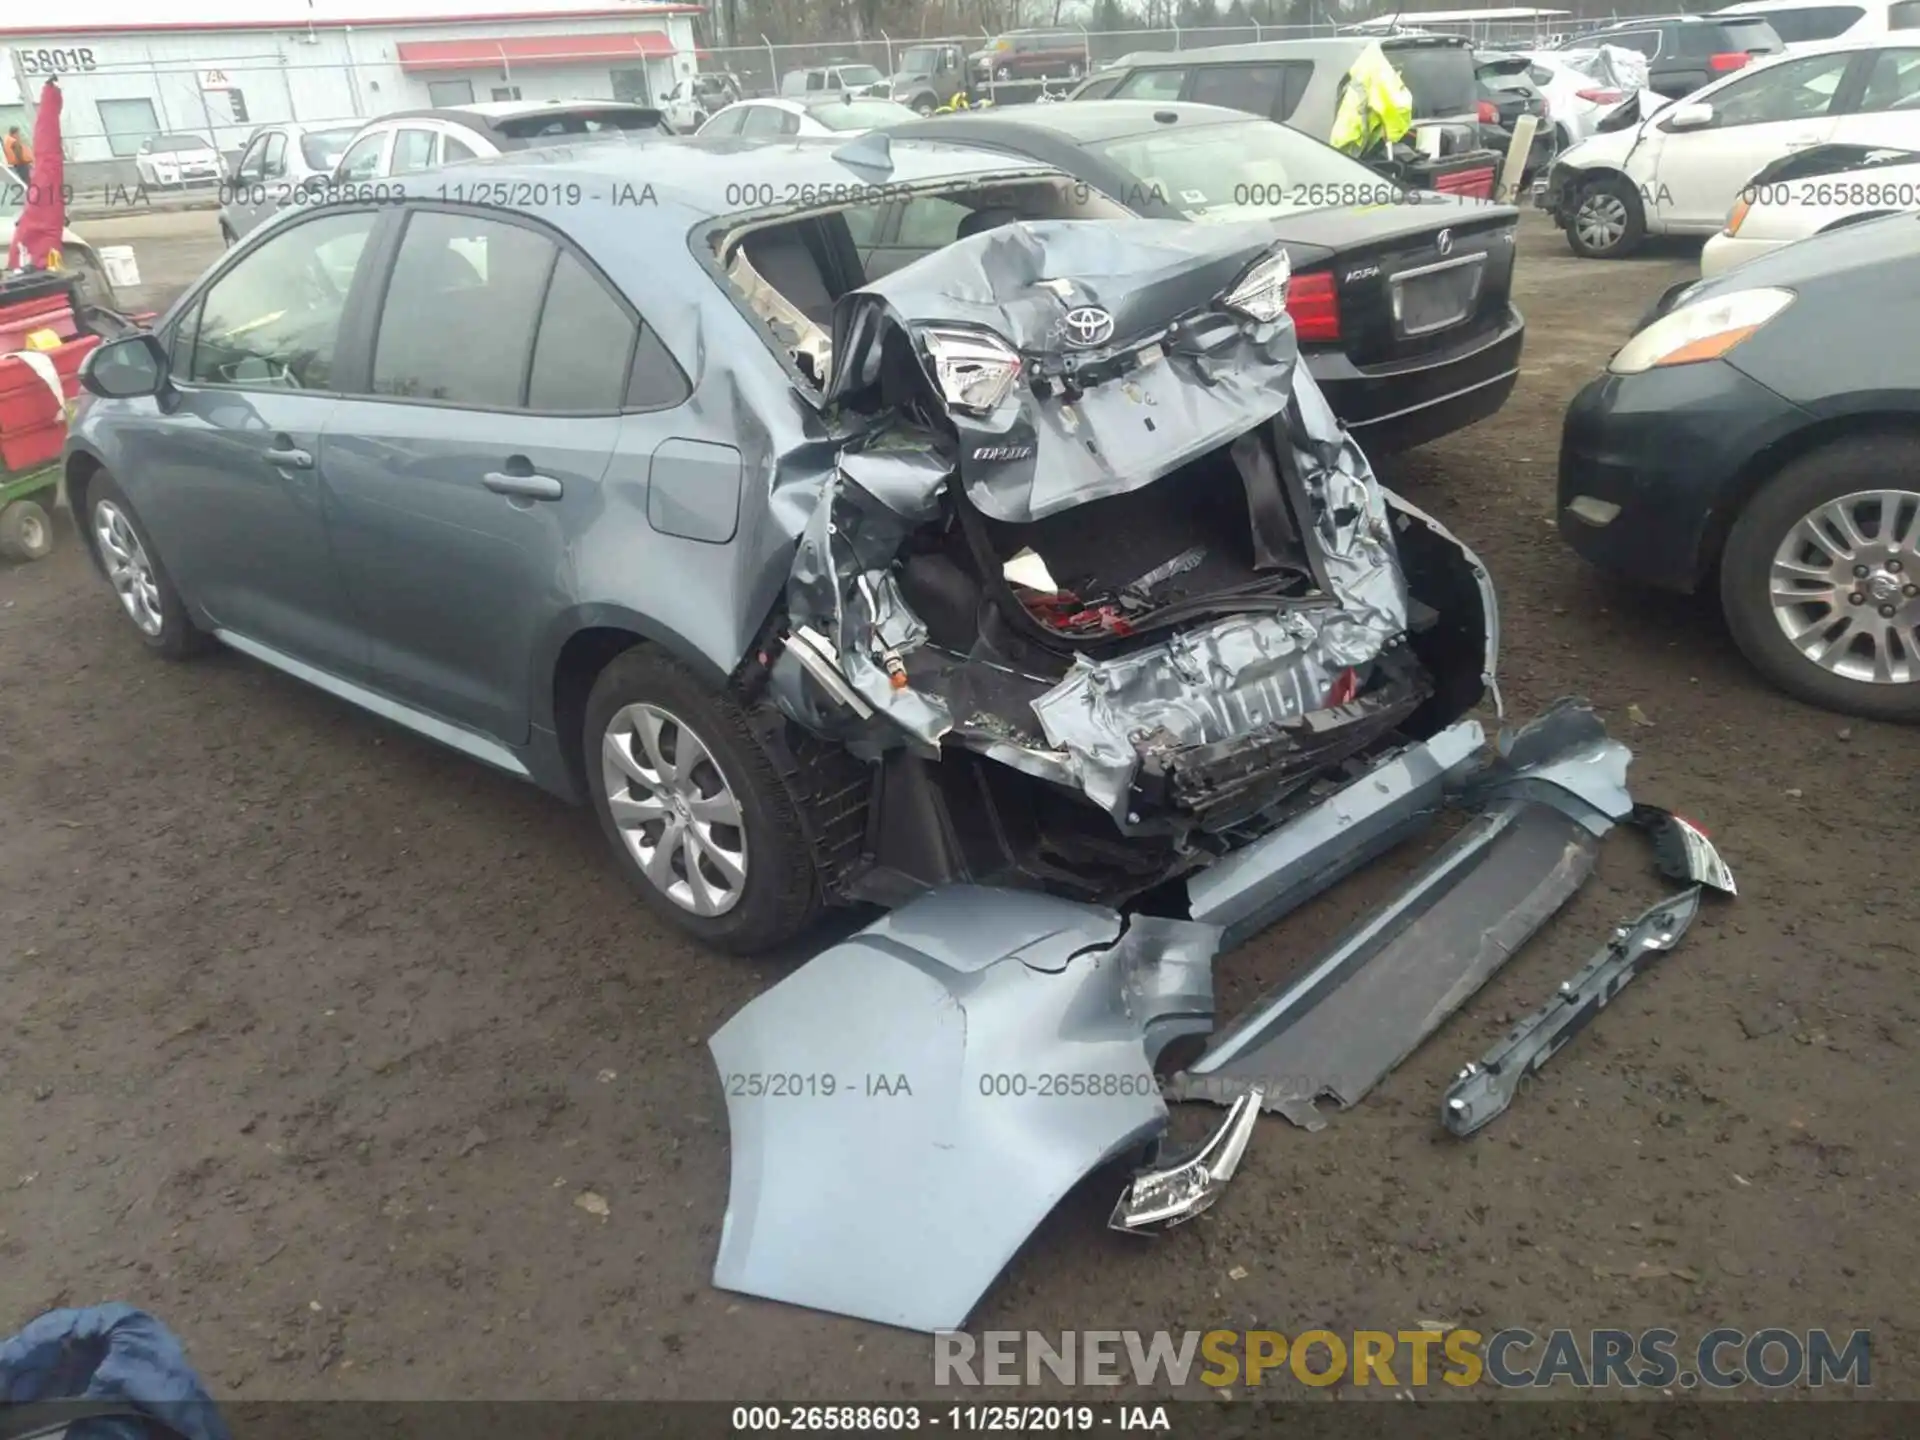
(224, 67)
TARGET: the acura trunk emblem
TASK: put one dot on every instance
(1445, 241)
(1088, 326)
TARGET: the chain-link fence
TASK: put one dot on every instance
(121, 116)
(1067, 53)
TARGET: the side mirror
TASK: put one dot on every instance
(1696, 115)
(126, 369)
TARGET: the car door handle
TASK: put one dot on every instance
(523, 487)
(289, 456)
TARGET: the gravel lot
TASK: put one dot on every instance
(318, 1033)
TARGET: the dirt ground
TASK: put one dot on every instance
(316, 1034)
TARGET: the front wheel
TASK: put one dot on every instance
(698, 816)
(1820, 579)
(1608, 221)
(923, 105)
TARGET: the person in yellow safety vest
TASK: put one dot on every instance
(1375, 104)
(19, 155)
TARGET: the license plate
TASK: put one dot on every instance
(1436, 296)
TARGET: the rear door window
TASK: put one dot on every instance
(1904, 16)
(1262, 90)
(1152, 85)
(462, 305)
(584, 345)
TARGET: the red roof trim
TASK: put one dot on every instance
(492, 51)
(65, 33)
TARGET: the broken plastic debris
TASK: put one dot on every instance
(592, 1203)
(1030, 570)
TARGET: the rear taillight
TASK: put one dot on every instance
(1601, 97)
(1727, 60)
(1488, 112)
(1314, 306)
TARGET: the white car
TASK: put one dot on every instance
(1576, 98)
(164, 161)
(413, 140)
(1811, 193)
(1679, 171)
(838, 114)
(1804, 25)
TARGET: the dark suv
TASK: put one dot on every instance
(1684, 52)
(1032, 55)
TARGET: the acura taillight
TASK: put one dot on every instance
(1727, 60)
(1601, 97)
(1314, 306)
(1488, 112)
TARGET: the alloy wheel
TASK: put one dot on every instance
(128, 567)
(1601, 220)
(1845, 586)
(675, 809)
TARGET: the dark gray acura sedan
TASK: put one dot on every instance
(1023, 552)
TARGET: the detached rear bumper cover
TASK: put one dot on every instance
(907, 1107)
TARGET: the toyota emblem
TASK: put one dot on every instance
(1445, 241)
(1088, 326)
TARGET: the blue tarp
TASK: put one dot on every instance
(108, 1353)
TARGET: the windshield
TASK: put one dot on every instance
(859, 75)
(862, 115)
(1440, 78)
(322, 149)
(920, 60)
(1244, 170)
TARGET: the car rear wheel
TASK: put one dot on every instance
(923, 105)
(697, 814)
(132, 566)
(1607, 220)
(1820, 580)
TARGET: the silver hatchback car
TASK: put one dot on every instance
(280, 163)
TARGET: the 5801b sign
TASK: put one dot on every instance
(77, 60)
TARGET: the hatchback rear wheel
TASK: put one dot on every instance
(1820, 581)
(694, 809)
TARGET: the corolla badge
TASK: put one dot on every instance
(1444, 242)
(1088, 326)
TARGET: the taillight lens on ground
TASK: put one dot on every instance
(1488, 112)
(1727, 60)
(1314, 306)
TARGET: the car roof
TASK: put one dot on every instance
(1334, 47)
(1081, 122)
(705, 174)
(483, 114)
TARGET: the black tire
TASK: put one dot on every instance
(780, 896)
(923, 105)
(1860, 463)
(1618, 190)
(25, 531)
(178, 637)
